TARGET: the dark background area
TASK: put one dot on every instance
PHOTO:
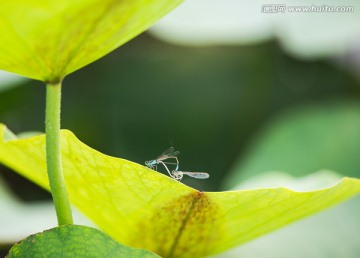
(147, 96)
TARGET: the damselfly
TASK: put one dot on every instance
(178, 175)
(168, 154)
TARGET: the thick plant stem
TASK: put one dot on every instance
(53, 154)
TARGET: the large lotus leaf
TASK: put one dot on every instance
(47, 40)
(142, 208)
(74, 241)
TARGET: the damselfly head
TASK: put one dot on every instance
(149, 163)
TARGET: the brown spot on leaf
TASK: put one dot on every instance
(186, 227)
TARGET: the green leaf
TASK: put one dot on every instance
(73, 241)
(306, 139)
(142, 208)
(46, 40)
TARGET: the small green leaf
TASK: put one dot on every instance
(142, 208)
(46, 40)
(73, 241)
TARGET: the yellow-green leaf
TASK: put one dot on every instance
(142, 208)
(46, 40)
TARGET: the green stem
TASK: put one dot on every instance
(53, 154)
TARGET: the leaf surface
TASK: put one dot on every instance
(46, 40)
(74, 241)
(142, 208)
